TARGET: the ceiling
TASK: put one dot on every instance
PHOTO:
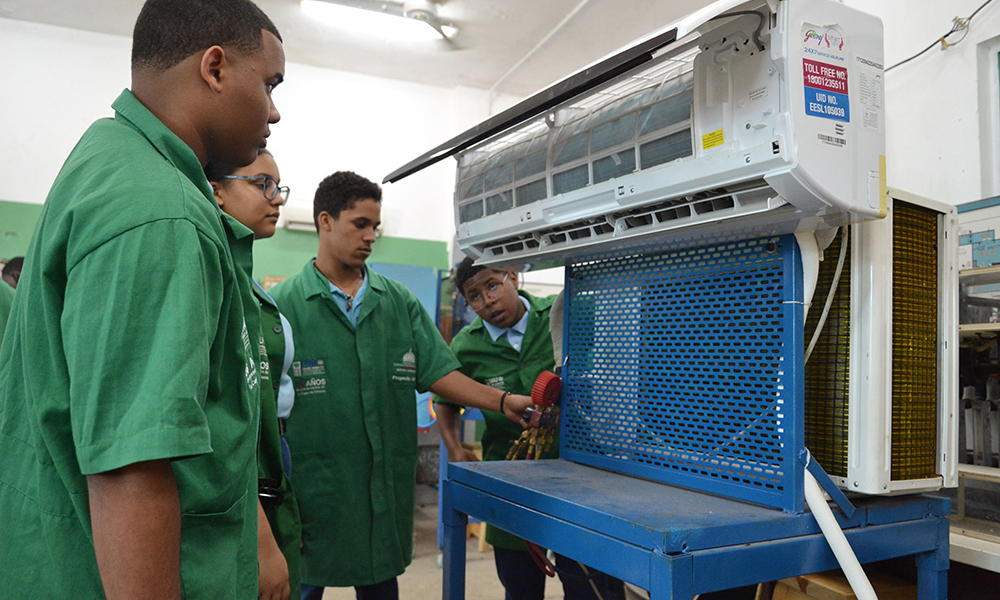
(494, 36)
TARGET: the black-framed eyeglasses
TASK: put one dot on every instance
(493, 291)
(267, 185)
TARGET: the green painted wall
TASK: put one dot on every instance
(17, 224)
(280, 256)
(287, 252)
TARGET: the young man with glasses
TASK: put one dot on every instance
(507, 347)
(363, 344)
(129, 377)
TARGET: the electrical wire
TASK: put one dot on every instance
(957, 25)
(829, 298)
(756, 32)
(590, 579)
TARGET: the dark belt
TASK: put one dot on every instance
(269, 491)
(282, 427)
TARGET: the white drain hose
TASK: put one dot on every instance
(838, 542)
(830, 296)
(809, 251)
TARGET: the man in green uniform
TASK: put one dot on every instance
(507, 347)
(363, 343)
(129, 381)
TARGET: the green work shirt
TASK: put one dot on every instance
(283, 517)
(353, 431)
(129, 342)
(6, 300)
(498, 364)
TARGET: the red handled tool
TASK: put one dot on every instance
(546, 390)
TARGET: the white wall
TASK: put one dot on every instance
(57, 81)
(932, 116)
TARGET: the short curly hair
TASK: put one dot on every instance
(340, 191)
(168, 31)
(466, 270)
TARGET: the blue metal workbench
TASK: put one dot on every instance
(684, 368)
(673, 541)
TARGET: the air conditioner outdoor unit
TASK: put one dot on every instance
(881, 384)
(743, 119)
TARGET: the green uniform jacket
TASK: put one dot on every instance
(128, 342)
(353, 431)
(497, 364)
(6, 300)
(284, 517)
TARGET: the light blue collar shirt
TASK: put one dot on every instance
(514, 333)
(340, 297)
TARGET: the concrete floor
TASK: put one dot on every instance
(422, 579)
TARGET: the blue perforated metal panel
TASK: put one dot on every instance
(686, 367)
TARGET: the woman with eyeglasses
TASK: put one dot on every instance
(252, 195)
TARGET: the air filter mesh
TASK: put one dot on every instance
(914, 341)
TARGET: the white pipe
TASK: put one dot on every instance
(838, 542)
(810, 267)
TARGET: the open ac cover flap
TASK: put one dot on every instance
(760, 118)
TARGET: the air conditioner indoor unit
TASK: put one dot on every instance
(298, 217)
(736, 121)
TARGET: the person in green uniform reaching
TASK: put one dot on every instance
(252, 195)
(129, 383)
(507, 347)
(363, 344)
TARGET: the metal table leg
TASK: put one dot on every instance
(453, 587)
(932, 567)
(670, 577)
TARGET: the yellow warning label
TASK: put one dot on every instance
(711, 140)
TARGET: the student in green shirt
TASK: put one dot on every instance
(363, 344)
(129, 383)
(507, 347)
(252, 195)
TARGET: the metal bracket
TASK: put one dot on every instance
(826, 483)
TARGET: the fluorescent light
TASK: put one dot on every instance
(368, 22)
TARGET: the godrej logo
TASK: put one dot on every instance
(812, 35)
